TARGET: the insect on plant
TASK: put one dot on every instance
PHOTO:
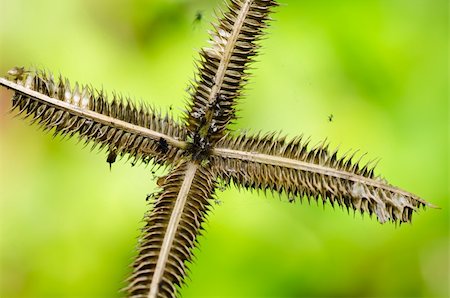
(201, 152)
(112, 155)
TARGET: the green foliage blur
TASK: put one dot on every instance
(68, 225)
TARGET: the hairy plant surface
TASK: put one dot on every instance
(202, 151)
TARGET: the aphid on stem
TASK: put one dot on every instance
(111, 158)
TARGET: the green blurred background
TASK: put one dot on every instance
(69, 225)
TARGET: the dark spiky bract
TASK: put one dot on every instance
(327, 177)
(203, 150)
(102, 133)
(222, 71)
(185, 239)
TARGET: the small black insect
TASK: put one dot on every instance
(111, 158)
(330, 118)
(163, 146)
(198, 17)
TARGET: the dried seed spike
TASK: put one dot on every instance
(80, 106)
(222, 67)
(171, 231)
(257, 164)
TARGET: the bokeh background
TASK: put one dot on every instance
(68, 225)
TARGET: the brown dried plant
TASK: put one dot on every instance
(202, 151)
